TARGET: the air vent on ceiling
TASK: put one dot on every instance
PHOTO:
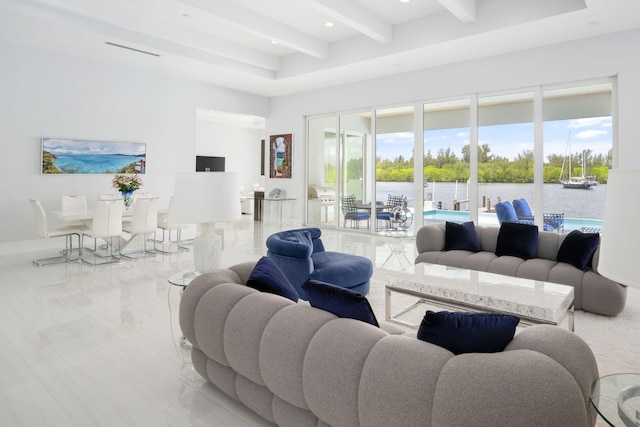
(131, 48)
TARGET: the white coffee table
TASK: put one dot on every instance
(533, 301)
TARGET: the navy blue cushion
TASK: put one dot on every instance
(468, 332)
(339, 301)
(384, 215)
(461, 237)
(578, 248)
(267, 277)
(359, 215)
(519, 240)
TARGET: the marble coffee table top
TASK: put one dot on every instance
(522, 297)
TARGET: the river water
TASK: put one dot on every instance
(573, 203)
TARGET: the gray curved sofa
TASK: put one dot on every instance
(299, 366)
(592, 292)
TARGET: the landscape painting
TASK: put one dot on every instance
(78, 156)
(280, 156)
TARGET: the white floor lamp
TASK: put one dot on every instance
(204, 198)
(619, 251)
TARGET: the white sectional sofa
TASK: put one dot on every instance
(593, 292)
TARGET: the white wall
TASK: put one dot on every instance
(44, 93)
(238, 143)
(575, 61)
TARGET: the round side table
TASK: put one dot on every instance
(616, 397)
(181, 279)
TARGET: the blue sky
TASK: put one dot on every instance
(83, 147)
(507, 140)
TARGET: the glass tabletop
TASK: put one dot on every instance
(399, 233)
(616, 397)
(182, 278)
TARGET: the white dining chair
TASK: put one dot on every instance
(138, 195)
(144, 222)
(73, 204)
(166, 222)
(106, 224)
(42, 229)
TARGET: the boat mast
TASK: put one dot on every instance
(567, 154)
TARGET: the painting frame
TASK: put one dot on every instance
(280, 158)
(66, 156)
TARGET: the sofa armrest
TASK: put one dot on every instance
(200, 286)
(430, 238)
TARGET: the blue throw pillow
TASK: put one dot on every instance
(468, 332)
(578, 248)
(519, 240)
(461, 237)
(340, 301)
(267, 277)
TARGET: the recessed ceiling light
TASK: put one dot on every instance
(328, 24)
(274, 42)
(405, 1)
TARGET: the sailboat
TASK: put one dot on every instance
(579, 182)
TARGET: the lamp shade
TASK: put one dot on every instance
(621, 230)
(206, 197)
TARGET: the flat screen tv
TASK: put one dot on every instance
(209, 164)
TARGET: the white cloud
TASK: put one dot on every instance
(587, 134)
(591, 121)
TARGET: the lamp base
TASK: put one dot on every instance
(207, 249)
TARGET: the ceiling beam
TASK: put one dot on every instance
(260, 26)
(464, 10)
(356, 17)
(185, 43)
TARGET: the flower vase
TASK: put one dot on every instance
(127, 199)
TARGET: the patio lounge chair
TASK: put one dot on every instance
(552, 221)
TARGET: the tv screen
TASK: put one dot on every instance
(209, 164)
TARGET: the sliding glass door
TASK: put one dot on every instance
(550, 147)
(446, 160)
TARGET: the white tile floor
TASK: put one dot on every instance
(98, 346)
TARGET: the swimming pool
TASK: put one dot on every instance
(489, 218)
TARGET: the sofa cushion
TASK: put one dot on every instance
(505, 211)
(518, 240)
(462, 332)
(461, 237)
(522, 209)
(346, 270)
(267, 277)
(340, 301)
(578, 248)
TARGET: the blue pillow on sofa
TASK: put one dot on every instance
(578, 248)
(461, 332)
(519, 240)
(340, 301)
(461, 237)
(267, 277)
